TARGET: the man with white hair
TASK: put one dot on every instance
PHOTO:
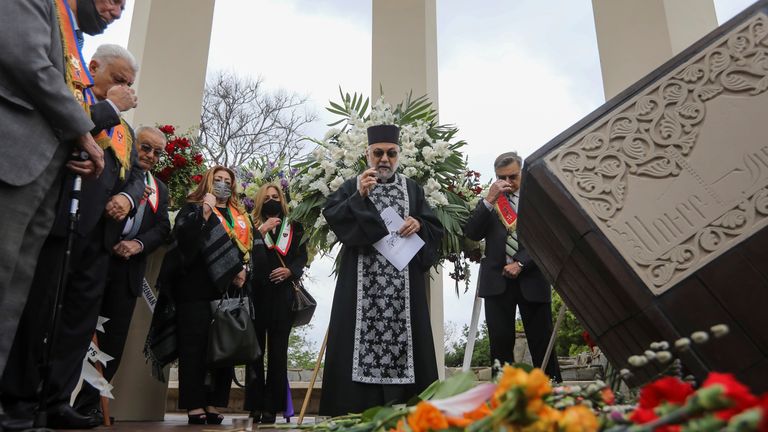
(105, 202)
(380, 347)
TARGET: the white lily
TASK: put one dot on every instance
(465, 402)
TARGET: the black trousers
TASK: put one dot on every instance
(81, 305)
(537, 320)
(199, 386)
(270, 395)
(117, 305)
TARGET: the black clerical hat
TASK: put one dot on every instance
(383, 134)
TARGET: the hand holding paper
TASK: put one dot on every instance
(396, 248)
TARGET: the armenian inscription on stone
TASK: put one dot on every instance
(678, 175)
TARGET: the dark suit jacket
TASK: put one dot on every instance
(153, 232)
(485, 224)
(37, 111)
(97, 192)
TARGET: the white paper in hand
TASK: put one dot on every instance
(396, 249)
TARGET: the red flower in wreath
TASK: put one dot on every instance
(165, 174)
(179, 160)
(170, 148)
(665, 390)
(167, 129)
(198, 158)
(182, 142)
(197, 178)
(737, 393)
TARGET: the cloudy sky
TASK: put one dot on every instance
(512, 74)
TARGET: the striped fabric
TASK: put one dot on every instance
(512, 245)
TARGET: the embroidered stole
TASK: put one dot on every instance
(284, 238)
(508, 217)
(119, 140)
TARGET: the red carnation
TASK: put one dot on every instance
(181, 143)
(167, 129)
(197, 178)
(170, 148)
(737, 393)
(165, 174)
(764, 406)
(198, 158)
(667, 389)
(179, 160)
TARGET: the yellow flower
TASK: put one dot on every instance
(578, 418)
(538, 384)
(535, 384)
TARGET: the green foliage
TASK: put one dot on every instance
(569, 337)
(302, 352)
(481, 356)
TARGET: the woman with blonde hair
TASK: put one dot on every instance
(215, 236)
(279, 259)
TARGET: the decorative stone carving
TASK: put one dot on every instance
(678, 174)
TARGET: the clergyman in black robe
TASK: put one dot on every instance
(380, 348)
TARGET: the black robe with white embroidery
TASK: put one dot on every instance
(357, 223)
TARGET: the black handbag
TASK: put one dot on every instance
(232, 335)
(304, 305)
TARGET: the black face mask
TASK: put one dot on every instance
(272, 208)
(88, 18)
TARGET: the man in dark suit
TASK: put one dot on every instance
(41, 122)
(104, 204)
(141, 235)
(508, 276)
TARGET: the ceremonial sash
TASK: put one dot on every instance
(240, 230)
(76, 74)
(284, 238)
(119, 140)
(506, 213)
(154, 198)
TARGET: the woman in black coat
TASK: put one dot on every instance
(214, 236)
(279, 258)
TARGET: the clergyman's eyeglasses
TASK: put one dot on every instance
(508, 177)
(146, 148)
(391, 153)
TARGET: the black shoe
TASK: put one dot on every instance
(14, 424)
(96, 415)
(197, 419)
(268, 418)
(18, 416)
(213, 418)
(255, 415)
(63, 416)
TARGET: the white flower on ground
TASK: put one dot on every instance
(625, 373)
(719, 330)
(682, 344)
(336, 183)
(700, 337)
(650, 355)
(663, 356)
(638, 361)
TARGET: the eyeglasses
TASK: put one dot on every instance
(391, 153)
(146, 148)
(508, 177)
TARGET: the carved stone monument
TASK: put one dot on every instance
(650, 216)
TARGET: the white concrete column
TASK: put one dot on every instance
(635, 37)
(170, 39)
(405, 60)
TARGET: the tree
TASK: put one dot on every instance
(302, 352)
(481, 355)
(569, 337)
(242, 121)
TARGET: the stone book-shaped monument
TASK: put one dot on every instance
(650, 216)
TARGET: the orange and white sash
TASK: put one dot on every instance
(240, 231)
(119, 140)
(76, 73)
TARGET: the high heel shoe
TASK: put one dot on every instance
(197, 419)
(213, 418)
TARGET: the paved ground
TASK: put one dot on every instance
(178, 423)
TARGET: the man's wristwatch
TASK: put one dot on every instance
(520, 264)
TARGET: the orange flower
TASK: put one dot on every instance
(461, 422)
(535, 384)
(607, 395)
(538, 384)
(427, 418)
(578, 418)
(478, 413)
